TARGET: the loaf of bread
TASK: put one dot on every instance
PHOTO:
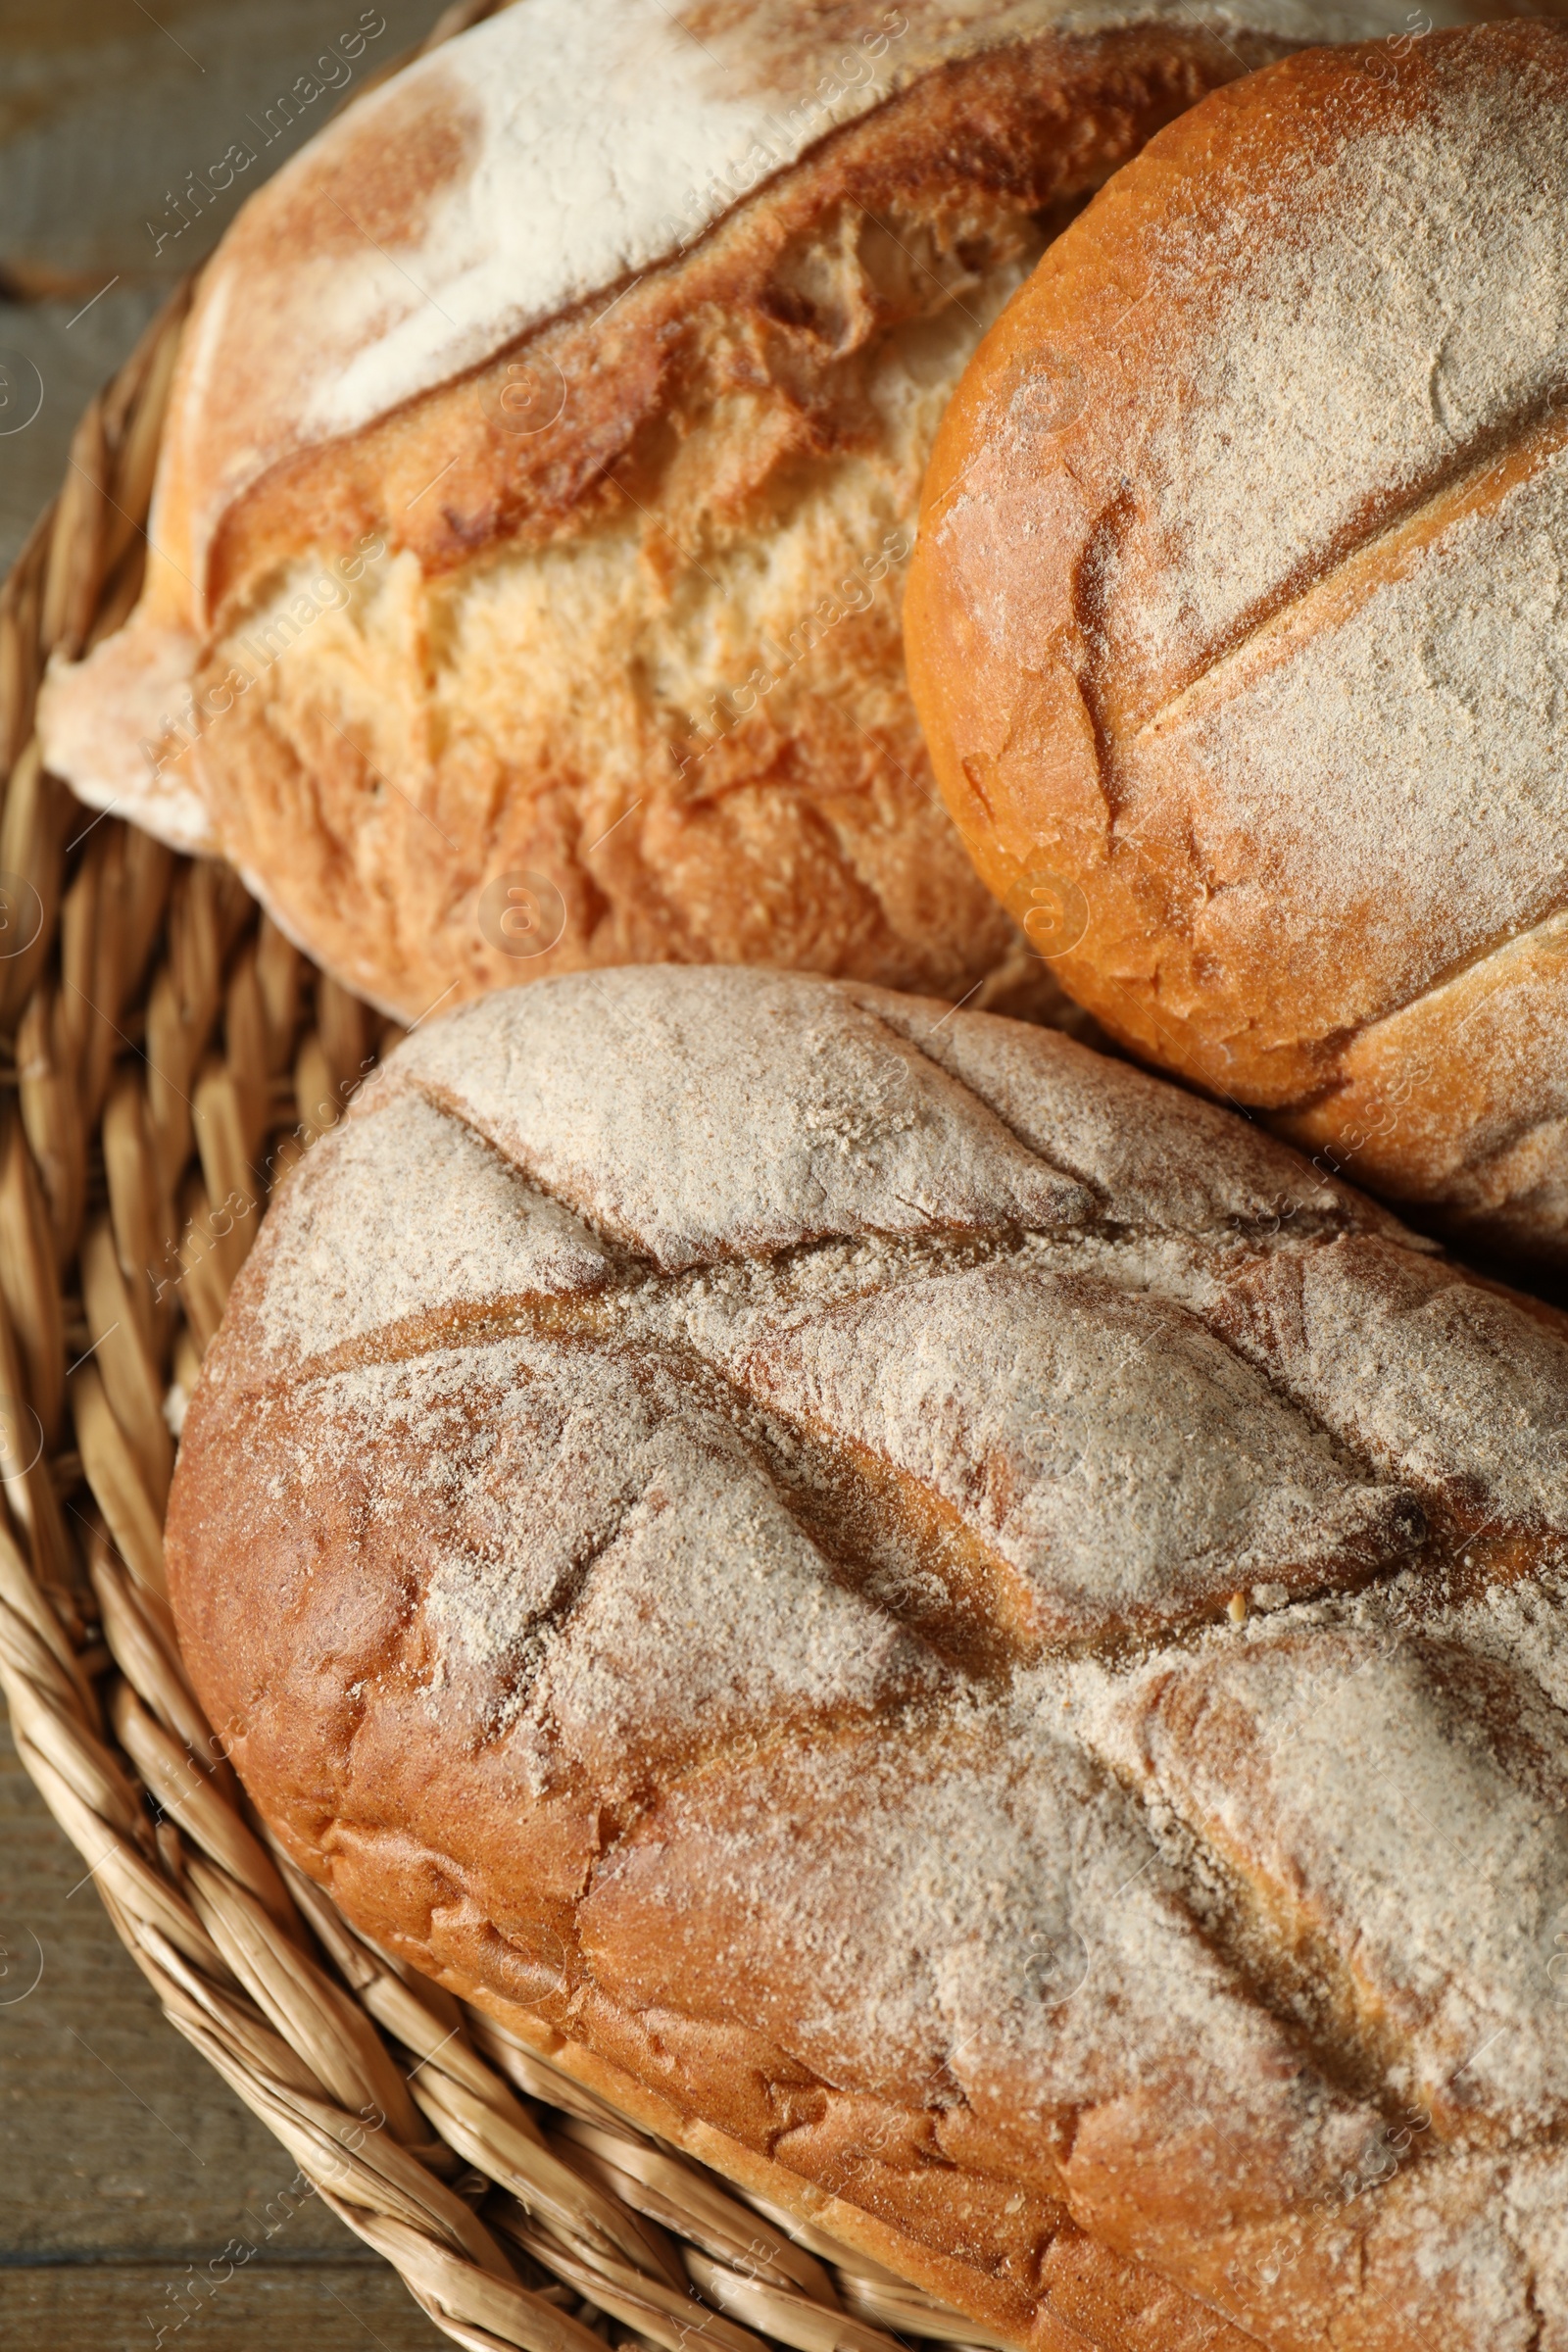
(541, 463)
(1237, 626)
(952, 1626)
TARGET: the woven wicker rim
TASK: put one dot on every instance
(171, 1055)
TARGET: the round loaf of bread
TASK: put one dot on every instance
(542, 464)
(1237, 621)
(951, 1625)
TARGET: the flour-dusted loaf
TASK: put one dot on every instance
(1237, 621)
(715, 1523)
(542, 464)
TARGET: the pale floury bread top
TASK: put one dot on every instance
(554, 151)
(1239, 608)
(541, 465)
(716, 1521)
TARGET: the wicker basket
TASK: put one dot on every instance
(171, 1055)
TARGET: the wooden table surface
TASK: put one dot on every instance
(142, 2204)
(140, 2196)
(113, 117)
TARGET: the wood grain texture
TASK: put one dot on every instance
(110, 121)
(110, 127)
(120, 2307)
(139, 2194)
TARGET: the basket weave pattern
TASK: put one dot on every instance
(165, 1056)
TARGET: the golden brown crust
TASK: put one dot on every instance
(1219, 610)
(858, 2175)
(773, 805)
(996, 136)
(637, 673)
(741, 1482)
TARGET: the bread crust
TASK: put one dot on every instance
(710, 1524)
(1221, 616)
(639, 663)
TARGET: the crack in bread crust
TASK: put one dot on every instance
(1259, 646)
(690, 1539)
(1381, 546)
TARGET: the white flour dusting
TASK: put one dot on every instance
(852, 1501)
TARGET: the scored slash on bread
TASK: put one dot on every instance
(710, 1523)
(1256, 638)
